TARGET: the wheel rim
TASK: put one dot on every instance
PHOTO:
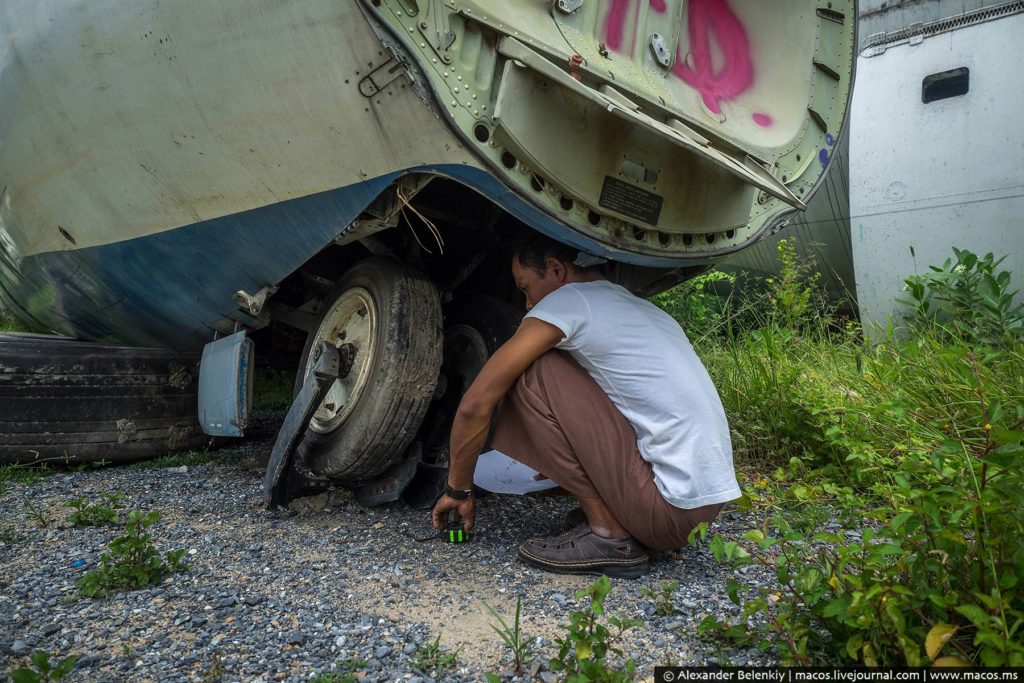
(351, 320)
(465, 353)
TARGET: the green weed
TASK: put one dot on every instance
(343, 672)
(793, 300)
(512, 636)
(22, 474)
(967, 300)
(215, 674)
(96, 514)
(133, 561)
(663, 597)
(430, 659)
(9, 324)
(272, 389)
(697, 305)
(186, 458)
(10, 536)
(583, 652)
(36, 514)
(43, 670)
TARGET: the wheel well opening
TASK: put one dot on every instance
(449, 232)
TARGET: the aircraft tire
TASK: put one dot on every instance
(65, 402)
(392, 315)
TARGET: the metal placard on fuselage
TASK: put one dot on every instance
(632, 201)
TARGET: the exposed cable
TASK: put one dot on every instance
(406, 204)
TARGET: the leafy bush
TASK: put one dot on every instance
(42, 670)
(909, 450)
(696, 304)
(966, 301)
(132, 561)
(584, 650)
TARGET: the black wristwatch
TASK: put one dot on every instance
(457, 494)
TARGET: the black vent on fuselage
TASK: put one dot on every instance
(946, 84)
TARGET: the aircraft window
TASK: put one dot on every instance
(946, 84)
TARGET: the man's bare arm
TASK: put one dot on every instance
(473, 419)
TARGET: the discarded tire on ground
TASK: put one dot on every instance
(392, 315)
(68, 401)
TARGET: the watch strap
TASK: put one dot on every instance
(457, 494)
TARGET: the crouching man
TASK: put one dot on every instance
(601, 392)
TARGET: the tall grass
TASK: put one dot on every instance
(913, 443)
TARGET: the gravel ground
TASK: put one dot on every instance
(281, 596)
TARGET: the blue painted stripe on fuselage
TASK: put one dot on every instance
(171, 288)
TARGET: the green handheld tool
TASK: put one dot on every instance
(453, 533)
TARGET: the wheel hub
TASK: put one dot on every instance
(350, 324)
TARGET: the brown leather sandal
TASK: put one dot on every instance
(581, 551)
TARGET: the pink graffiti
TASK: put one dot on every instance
(711, 23)
(615, 24)
(713, 18)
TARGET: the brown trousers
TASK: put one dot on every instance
(558, 421)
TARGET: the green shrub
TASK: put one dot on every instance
(584, 650)
(913, 447)
(132, 560)
(968, 300)
(696, 304)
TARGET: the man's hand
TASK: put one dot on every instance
(465, 508)
(473, 418)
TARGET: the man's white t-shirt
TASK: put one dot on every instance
(641, 358)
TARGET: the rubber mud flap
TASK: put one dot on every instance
(65, 401)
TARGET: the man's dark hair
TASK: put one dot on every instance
(532, 249)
